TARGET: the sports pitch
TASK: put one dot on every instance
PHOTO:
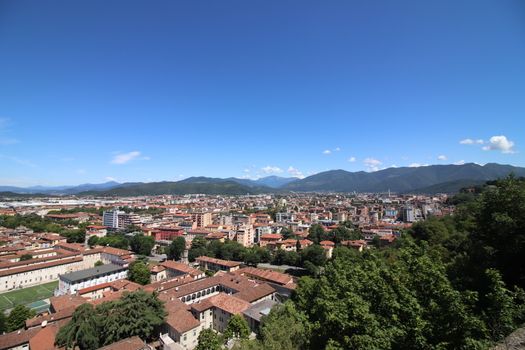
(26, 296)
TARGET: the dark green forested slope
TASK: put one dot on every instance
(406, 179)
(182, 187)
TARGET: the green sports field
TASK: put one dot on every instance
(26, 296)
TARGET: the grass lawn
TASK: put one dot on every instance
(26, 296)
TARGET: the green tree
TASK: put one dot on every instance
(138, 313)
(498, 307)
(98, 263)
(176, 248)
(3, 322)
(139, 273)
(237, 328)
(115, 241)
(287, 233)
(209, 340)
(82, 331)
(252, 256)
(314, 254)
(141, 244)
(316, 233)
(198, 248)
(26, 257)
(74, 236)
(499, 238)
(92, 241)
(284, 328)
(18, 316)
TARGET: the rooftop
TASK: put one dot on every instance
(97, 271)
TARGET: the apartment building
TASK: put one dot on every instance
(70, 283)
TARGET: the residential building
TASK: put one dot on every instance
(70, 283)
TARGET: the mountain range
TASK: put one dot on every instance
(425, 179)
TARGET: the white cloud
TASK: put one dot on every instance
(372, 164)
(295, 172)
(81, 171)
(327, 151)
(337, 149)
(109, 178)
(459, 162)
(124, 158)
(352, 159)
(499, 143)
(442, 157)
(271, 170)
(417, 165)
(471, 142)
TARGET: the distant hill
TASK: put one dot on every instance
(14, 195)
(211, 186)
(59, 190)
(448, 187)
(403, 180)
(268, 181)
(426, 179)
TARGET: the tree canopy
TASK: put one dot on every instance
(209, 340)
(139, 273)
(450, 283)
(237, 328)
(176, 248)
(141, 244)
(135, 314)
(17, 317)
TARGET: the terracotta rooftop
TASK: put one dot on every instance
(253, 294)
(229, 303)
(173, 265)
(45, 339)
(17, 338)
(266, 275)
(180, 318)
(215, 261)
(65, 301)
(133, 343)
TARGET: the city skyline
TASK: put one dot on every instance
(131, 92)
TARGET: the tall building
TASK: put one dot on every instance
(119, 219)
(202, 219)
(110, 218)
(408, 214)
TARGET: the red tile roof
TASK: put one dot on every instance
(229, 303)
(266, 275)
(133, 343)
(215, 261)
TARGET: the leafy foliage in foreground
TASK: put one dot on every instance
(138, 313)
(452, 283)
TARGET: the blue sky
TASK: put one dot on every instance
(146, 91)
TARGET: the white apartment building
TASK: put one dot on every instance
(119, 219)
(70, 283)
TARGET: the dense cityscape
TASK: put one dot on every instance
(216, 265)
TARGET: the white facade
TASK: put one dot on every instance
(71, 283)
(110, 218)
